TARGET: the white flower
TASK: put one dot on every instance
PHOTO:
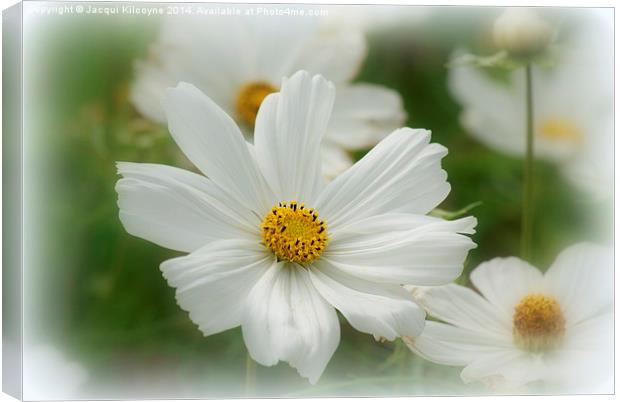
(275, 249)
(48, 374)
(526, 326)
(573, 109)
(521, 32)
(237, 61)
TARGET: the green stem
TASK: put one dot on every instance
(250, 375)
(527, 212)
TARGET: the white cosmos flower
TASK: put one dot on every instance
(525, 326)
(237, 61)
(276, 250)
(573, 108)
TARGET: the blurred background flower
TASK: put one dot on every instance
(238, 61)
(95, 292)
(573, 106)
(524, 328)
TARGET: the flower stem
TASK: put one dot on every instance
(250, 375)
(527, 213)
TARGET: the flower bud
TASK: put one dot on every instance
(521, 32)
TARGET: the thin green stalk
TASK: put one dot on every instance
(250, 375)
(527, 217)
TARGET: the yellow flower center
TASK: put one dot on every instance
(294, 233)
(560, 129)
(538, 323)
(249, 99)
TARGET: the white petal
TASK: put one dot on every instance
(214, 143)
(591, 334)
(335, 159)
(148, 89)
(446, 344)
(401, 248)
(191, 50)
(581, 278)
(505, 281)
(585, 359)
(363, 115)
(188, 49)
(213, 283)
(514, 367)
(401, 174)
(474, 88)
(466, 309)
(287, 139)
(274, 62)
(492, 112)
(386, 311)
(286, 319)
(336, 55)
(178, 209)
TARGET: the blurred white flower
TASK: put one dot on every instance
(521, 32)
(237, 61)
(526, 326)
(48, 374)
(275, 249)
(573, 109)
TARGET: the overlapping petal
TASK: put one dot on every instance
(289, 129)
(213, 283)
(178, 209)
(508, 368)
(505, 281)
(464, 308)
(401, 174)
(402, 248)
(335, 160)
(382, 310)
(363, 115)
(214, 143)
(149, 88)
(318, 54)
(189, 49)
(490, 108)
(582, 282)
(446, 344)
(286, 319)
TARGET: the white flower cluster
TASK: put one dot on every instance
(266, 110)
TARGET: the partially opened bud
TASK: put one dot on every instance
(521, 32)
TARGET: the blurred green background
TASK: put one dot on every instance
(97, 291)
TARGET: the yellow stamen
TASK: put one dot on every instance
(538, 323)
(560, 129)
(294, 233)
(249, 99)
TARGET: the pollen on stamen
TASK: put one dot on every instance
(249, 99)
(538, 323)
(294, 233)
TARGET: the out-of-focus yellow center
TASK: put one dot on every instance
(538, 323)
(560, 129)
(294, 233)
(249, 99)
